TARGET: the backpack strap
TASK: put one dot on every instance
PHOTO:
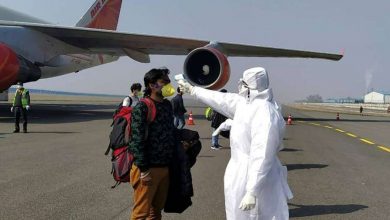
(151, 113)
(151, 109)
(131, 100)
(108, 150)
(116, 184)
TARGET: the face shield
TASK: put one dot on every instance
(242, 87)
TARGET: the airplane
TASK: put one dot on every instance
(32, 49)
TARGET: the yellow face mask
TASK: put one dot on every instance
(140, 94)
(168, 90)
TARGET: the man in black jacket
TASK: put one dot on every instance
(178, 109)
(216, 120)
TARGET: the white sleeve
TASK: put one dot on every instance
(226, 125)
(126, 102)
(224, 103)
(265, 134)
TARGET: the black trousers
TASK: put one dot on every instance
(19, 111)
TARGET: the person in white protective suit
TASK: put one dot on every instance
(255, 181)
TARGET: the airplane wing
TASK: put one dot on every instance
(139, 47)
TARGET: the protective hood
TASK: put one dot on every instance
(255, 84)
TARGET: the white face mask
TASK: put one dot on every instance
(19, 87)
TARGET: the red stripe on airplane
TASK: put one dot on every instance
(105, 15)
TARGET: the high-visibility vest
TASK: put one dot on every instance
(24, 97)
(208, 112)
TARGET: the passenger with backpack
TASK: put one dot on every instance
(133, 97)
(131, 100)
(152, 145)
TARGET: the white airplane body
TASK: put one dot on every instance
(52, 55)
(31, 49)
(49, 53)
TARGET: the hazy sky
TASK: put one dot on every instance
(360, 27)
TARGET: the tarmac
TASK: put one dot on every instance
(337, 169)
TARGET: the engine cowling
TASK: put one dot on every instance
(207, 67)
(15, 68)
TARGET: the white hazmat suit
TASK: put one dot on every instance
(256, 135)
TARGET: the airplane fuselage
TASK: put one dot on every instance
(46, 52)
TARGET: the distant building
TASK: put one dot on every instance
(344, 100)
(377, 97)
(331, 100)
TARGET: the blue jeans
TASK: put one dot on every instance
(179, 121)
(214, 139)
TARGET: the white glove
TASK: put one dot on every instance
(12, 109)
(184, 85)
(216, 132)
(225, 126)
(248, 202)
(27, 107)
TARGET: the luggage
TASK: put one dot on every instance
(180, 190)
(122, 158)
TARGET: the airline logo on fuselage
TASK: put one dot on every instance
(96, 8)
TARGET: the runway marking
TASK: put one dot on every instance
(384, 148)
(367, 141)
(352, 135)
(387, 149)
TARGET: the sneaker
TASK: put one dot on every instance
(16, 131)
(214, 147)
(24, 131)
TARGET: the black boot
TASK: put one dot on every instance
(25, 125)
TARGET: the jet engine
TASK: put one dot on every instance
(207, 67)
(15, 68)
